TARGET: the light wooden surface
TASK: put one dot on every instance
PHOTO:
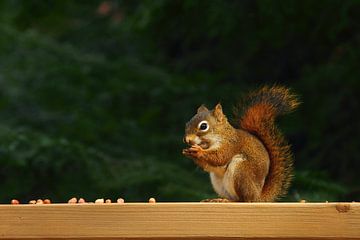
(181, 220)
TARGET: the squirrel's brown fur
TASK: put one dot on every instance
(252, 163)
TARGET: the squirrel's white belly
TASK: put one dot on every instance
(225, 185)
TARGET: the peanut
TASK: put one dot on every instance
(72, 200)
(99, 201)
(15, 201)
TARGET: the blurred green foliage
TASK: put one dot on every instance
(94, 95)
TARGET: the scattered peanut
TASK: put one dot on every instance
(15, 201)
(302, 201)
(72, 200)
(152, 200)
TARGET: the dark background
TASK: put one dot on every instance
(94, 95)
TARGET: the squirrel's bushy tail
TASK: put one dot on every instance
(259, 119)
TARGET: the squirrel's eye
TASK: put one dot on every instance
(203, 126)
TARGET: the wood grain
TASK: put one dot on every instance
(181, 220)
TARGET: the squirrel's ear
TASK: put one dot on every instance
(218, 113)
(202, 108)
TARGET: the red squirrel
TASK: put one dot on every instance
(251, 163)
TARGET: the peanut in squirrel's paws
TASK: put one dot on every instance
(195, 151)
(216, 200)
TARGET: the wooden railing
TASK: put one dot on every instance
(181, 221)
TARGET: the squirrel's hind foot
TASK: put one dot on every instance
(216, 200)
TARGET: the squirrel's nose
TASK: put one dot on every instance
(189, 139)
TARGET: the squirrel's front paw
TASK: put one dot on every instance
(195, 151)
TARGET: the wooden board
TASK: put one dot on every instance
(181, 220)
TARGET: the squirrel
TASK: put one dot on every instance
(250, 163)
